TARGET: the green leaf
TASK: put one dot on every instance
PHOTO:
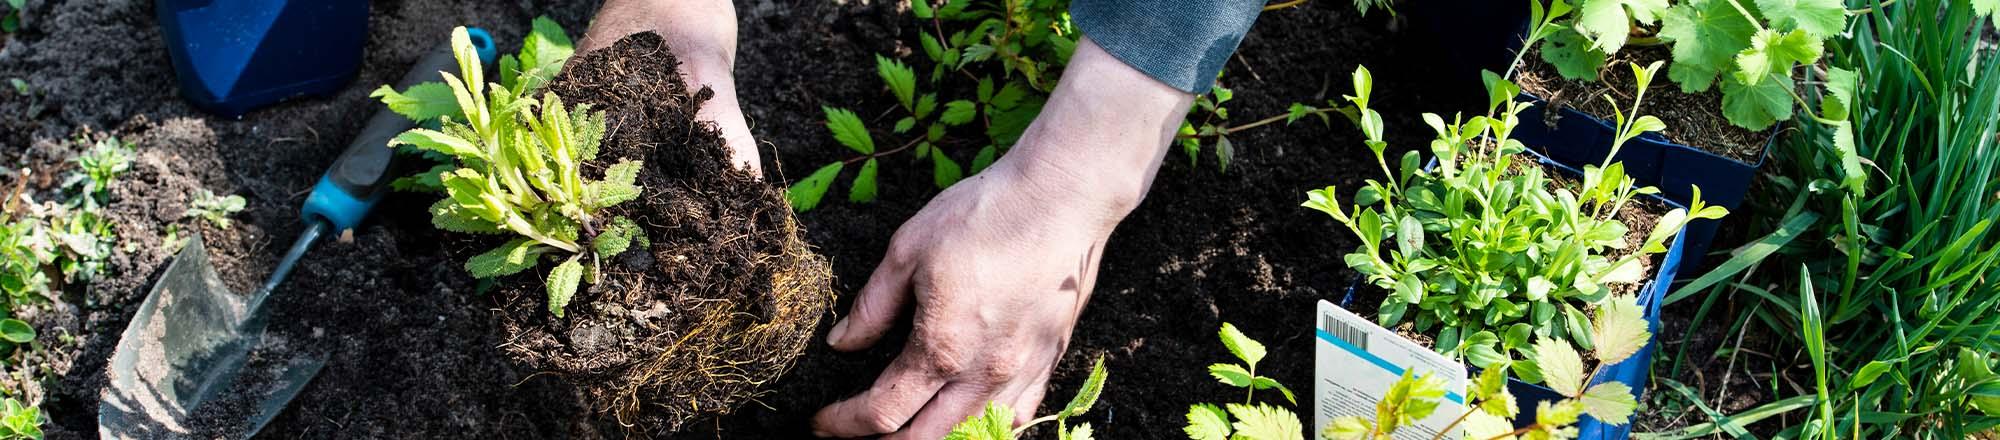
(421, 103)
(1348, 428)
(958, 112)
(984, 158)
(902, 81)
(1868, 373)
(1706, 36)
(1207, 422)
(447, 215)
(806, 193)
(1610, 402)
(17, 331)
(1265, 422)
(1772, 54)
(1265, 383)
(618, 185)
(1607, 23)
(922, 9)
(995, 423)
(617, 238)
(508, 259)
(848, 130)
(1619, 330)
(904, 125)
(944, 171)
(863, 190)
(1819, 18)
(1232, 375)
(1081, 432)
(563, 282)
(1249, 350)
(1562, 367)
(1224, 152)
(1757, 107)
(1009, 96)
(1572, 55)
(432, 140)
(1839, 98)
(932, 48)
(1087, 396)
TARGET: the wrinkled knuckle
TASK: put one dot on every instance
(881, 422)
(946, 364)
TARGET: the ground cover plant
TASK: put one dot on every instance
(1877, 249)
(1487, 251)
(996, 422)
(1749, 50)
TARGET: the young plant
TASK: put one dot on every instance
(519, 171)
(543, 52)
(997, 422)
(19, 421)
(207, 206)
(1251, 420)
(1485, 251)
(107, 159)
(10, 21)
(1620, 331)
(1748, 49)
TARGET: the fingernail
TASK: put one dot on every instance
(838, 334)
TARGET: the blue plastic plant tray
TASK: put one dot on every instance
(1634, 371)
(232, 56)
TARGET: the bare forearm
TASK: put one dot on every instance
(1103, 133)
(702, 35)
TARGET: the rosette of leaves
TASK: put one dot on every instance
(1485, 250)
(997, 421)
(1746, 48)
(518, 170)
(1620, 330)
(1250, 420)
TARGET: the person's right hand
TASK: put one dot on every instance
(702, 35)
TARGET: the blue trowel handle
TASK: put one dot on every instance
(361, 175)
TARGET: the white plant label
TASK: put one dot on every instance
(1356, 362)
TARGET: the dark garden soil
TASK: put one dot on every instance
(1693, 119)
(414, 352)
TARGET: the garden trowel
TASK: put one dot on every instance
(194, 360)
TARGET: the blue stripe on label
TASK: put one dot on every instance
(1377, 360)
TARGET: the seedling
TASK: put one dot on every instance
(207, 206)
(997, 421)
(11, 21)
(519, 171)
(1251, 420)
(1484, 252)
(106, 159)
(1620, 331)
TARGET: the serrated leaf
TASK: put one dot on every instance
(1265, 422)
(1610, 402)
(1840, 85)
(1081, 432)
(1820, 18)
(902, 81)
(1087, 395)
(1231, 374)
(1572, 56)
(1772, 54)
(848, 130)
(508, 259)
(421, 103)
(904, 125)
(1562, 367)
(1607, 23)
(995, 423)
(922, 9)
(805, 194)
(447, 215)
(1207, 422)
(1225, 152)
(619, 185)
(563, 281)
(1619, 330)
(932, 48)
(1009, 96)
(1757, 107)
(863, 190)
(944, 171)
(958, 112)
(1347, 428)
(617, 238)
(1249, 350)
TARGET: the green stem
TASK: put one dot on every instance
(1257, 123)
(1031, 423)
(1747, 16)
(906, 146)
(1277, 6)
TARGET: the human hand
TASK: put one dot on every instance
(998, 267)
(702, 35)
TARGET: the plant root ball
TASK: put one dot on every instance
(722, 302)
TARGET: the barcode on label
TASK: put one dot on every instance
(1351, 334)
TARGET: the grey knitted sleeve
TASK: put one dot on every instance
(1182, 43)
